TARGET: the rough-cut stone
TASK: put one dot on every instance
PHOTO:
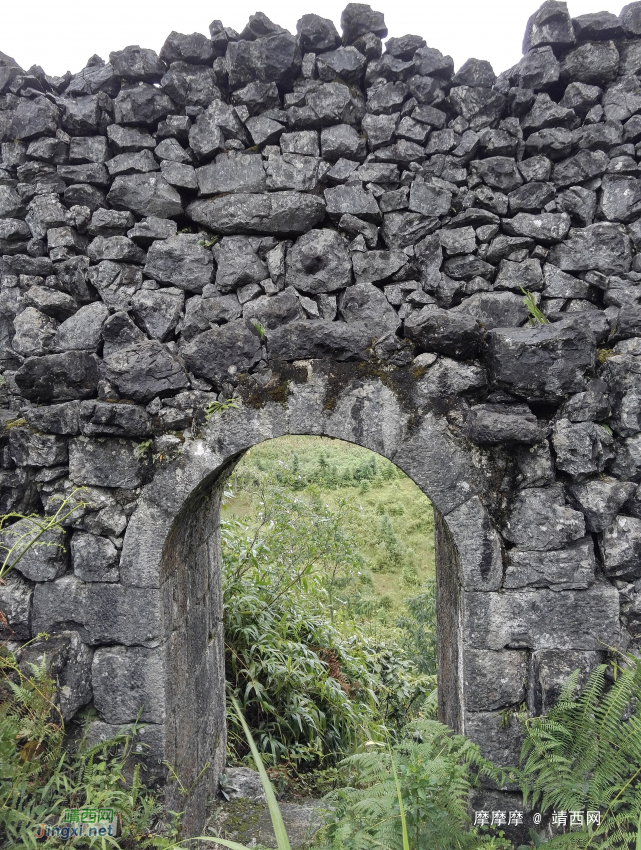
(433, 329)
(140, 368)
(494, 679)
(319, 339)
(104, 463)
(37, 556)
(620, 546)
(135, 674)
(600, 500)
(543, 619)
(540, 520)
(221, 352)
(363, 302)
(319, 262)
(546, 362)
(94, 558)
(277, 214)
(83, 330)
(495, 423)
(58, 377)
(182, 261)
(581, 448)
(68, 662)
(571, 568)
(15, 604)
(105, 419)
(145, 194)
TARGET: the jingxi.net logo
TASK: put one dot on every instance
(88, 822)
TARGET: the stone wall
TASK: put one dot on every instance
(338, 236)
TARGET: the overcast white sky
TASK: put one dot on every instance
(61, 35)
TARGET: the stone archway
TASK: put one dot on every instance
(173, 661)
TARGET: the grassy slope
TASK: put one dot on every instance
(396, 532)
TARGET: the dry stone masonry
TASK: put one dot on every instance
(337, 232)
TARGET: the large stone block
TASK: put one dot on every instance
(546, 362)
(102, 613)
(550, 670)
(126, 679)
(42, 555)
(542, 619)
(494, 679)
(94, 558)
(149, 750)
(620, 546)
(571, 568)
(15, 604)
(478, 545)
(540, 520)
(497, 742)
(104, 463)
(68, 662)
(277, 214)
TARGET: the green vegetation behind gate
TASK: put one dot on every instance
(393, 528)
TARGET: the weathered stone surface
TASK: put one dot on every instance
(495, 423)
(68, 663)
(551, 669)
(94, 558)
(58, 377)
(55, 418)
(105, 419)
(364, 303)
(550, 361)
(83, 330)
(27, 448)
(571, 568)
(182, 261)
(547, 228)
(272, 311)
(42, 556)
(145, 195)
(135, 674)
(158, 310)
(15, 604)
(455, 335)
(104, 463)
(540, 520)
(620, 547)
(104, 613)
(494, 679)
(600, 500)
(140, 368)
(543, 619)
(495, 309)
(601, 247)
(215, 352)
(358, 19)
(277, 214)
(319, 262)
(238, 264)
(352, 200)
(581, 448)
(319, 339)
(487, 730)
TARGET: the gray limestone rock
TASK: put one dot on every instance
(182, 261)
(145, 195)
(139, 368)
(179, 47)
(498, 172)
(320, 339)
(158, 310)
(495, 423)
(620, 198)
(582, 448)
(620, 547)
(317, 34)
(319, 262)
(237, 263)
(594, 63)
(547, 228)
(137, 63)
(106, 419)
(352, 199)
(550, 24)
(142, 105)
(377, 266)
(15, 604)
(571, 568)
(430, 200)
(276, 214)
(116, 283)
(223, 351)
(495, 309)
(190, 85)
(545, 362)
(47, 557)
(94, 558)
(494, 679)
(83, 330)
(364, 303)
(110, 222)
(293, 171)
(58, 377)
(543, 619)
(603, 247)
(29, 448)
(68, 663)
(358, 19)
(136, 676)
(104, 463)
(344, 63)
(232, 172)
(539, 520)
(55, 418)
(33, 332)
(342, 141)
(38, 117)
(455, 335)
(272, 311)
(600, 500)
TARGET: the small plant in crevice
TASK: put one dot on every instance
(216, 407)
(536, 316)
